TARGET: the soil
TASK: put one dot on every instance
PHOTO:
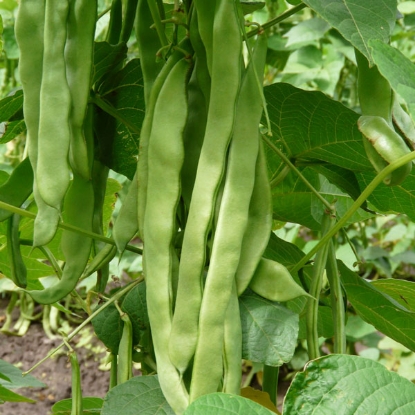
(55, 372)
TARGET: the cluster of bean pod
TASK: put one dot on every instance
(55, 39)
(203, 198)
(381, 112)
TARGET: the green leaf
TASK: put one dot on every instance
(349, 385)
(324, 129)
(8, 396)
(400, 290)
(391, 199)
(16, 380)
(306, 32)
(11, 130)
(107, 59)
(90, 405)
(108, 327)
(118, 138)
(225, 404)
(249, 7)
(379, 309)
(358, 22)
(135, 306)
(269, 330)
(11, 105)
(139, 395)
(398, 70)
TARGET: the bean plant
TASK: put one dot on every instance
(226, 118)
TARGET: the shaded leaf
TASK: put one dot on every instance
(269, 330)
(108, 327)
(11, 105)
(7, 395)
(16, 380)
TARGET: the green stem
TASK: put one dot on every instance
(337, 305)
(287, 161)
(270, 382)
(72, 228)
(313, 346)
(157, 22)
(355, 206)
(70, 336)
(109, 109)
(278, 19)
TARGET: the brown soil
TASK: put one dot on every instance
(55, 372)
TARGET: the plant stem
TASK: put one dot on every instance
(70, 336)
(313, 346)
(355, 206)
(278, 19)
(270, 382)
(72, 228)
(337, 305)
(154, 10)
(109, 109)
(287, 161)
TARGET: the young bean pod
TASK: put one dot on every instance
(231, 226)
(77, 405)
(78, 57)
(226, 76)
(53, 173)
(125, 351)
(18, 271)
(165, 160)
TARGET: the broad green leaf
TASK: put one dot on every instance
(90, 405)
(10, 105)
(400, 290)
(391, 199)
(108, 327)
(306, 32)
(225, 404)
(349, 385)
(323, 130)
(282, 251)
(107, 59)
(7, 395)
(379, 309)
(11, 130)
(16, 380)
(118, 137)
(398, 70)
(139, 395)
(135, 306)
(269, 330)
(358, 21)
(293, 201)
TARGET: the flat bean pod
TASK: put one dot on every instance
(53, 173)
(77, 406)
(165, 160)
(226, 75)
(232, 223)
(125, 351)
(78, 57)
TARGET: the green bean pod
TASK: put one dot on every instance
(103, 257)
(226, 75)
(76, 248)
(17, 188)
(128, 20)
(148, 45)
(387, 143)
(78, 57)
(125, 225)
(165, 160)
(375, 93)
(29, 32)
(53, 173)
(115, 24)
(232, 347)
(18, 271)
(142, 166)
(232, 223)
(274, 282)
(258, 230)
(77, 406)
(403, 122)
(125, 351)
